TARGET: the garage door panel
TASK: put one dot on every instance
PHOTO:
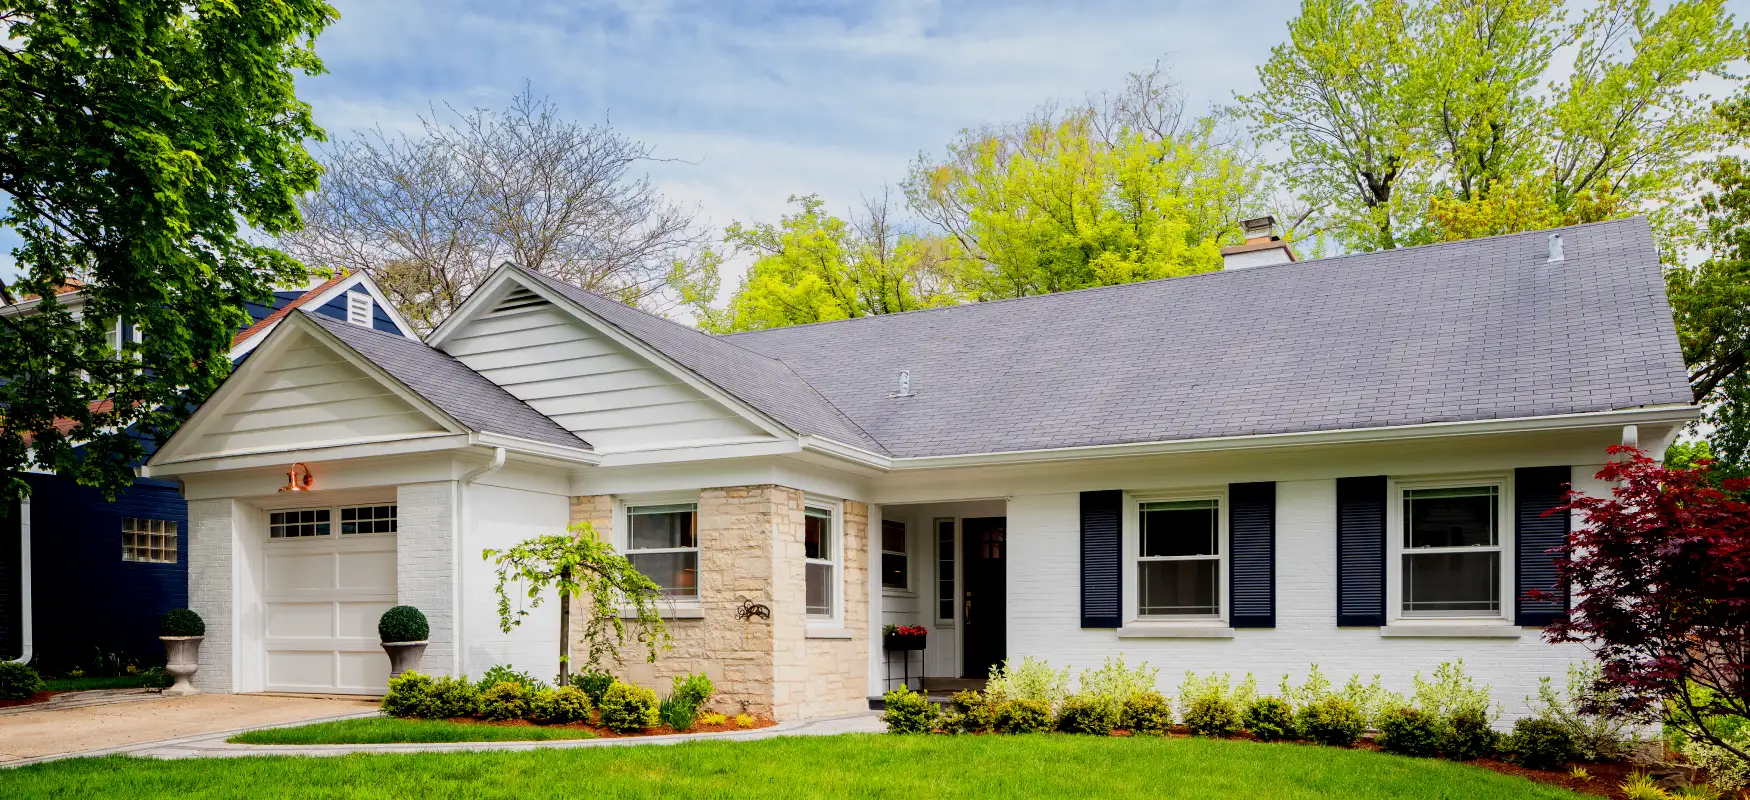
(300, 620)
(289, 573)
(363, 671)
(359, 620)
(371, 571)
(300, 669)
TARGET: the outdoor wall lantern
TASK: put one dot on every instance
(294, 483)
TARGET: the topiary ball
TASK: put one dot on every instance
(181, 622)
(403, 624)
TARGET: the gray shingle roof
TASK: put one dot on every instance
(1475, 330)
(762, 382)
(461, 392)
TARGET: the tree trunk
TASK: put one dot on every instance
(564, 631)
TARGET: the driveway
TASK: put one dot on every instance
(112, 725)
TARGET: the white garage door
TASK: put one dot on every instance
(328, 574)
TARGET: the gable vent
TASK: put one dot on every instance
(519, 299)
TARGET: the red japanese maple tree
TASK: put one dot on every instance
(1660, 573)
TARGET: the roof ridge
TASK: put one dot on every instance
(1204, 275)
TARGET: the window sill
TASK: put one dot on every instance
(1438, 630)
(1174, 630)
(888, 591)
(665, 611)
(827, 632)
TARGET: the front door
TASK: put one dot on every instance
(983, 600)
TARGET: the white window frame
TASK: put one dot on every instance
(836, 576)
(1395, 532)
(334, 520)
(359, 310)
(623, 507)
(1132, 545)
(953, 576)
(883, 552)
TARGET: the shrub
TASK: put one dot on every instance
(1598, 735)
(743, 721)
(594, 683)
(1148, 714)
(1469, 735)
(677, 711)
(1410, 732)
(451, 697)
(1641, 786)
(181, 622)
(403, 624)
(1115, 683)
(1370, 699)
(559, 706)
(1333, 721)
(503, 674)
(1540, 744)
(1269, 719)
(713, 718)
(1024, 716)
(156, 678)
(909, 711)
(1028, 680)
(977, 713)
(409, 694)
(628, 709)
(18, 681)
(1088, 714)
(1212, 716)
(1450, 693)
(1725, 770)
(506, 700)
(695, 688)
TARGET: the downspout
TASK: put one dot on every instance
(26, 634)
(462, 484)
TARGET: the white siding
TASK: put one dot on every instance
(586, 382)
(310, 396)
(500, 517)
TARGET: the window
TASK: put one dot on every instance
(149, 540)
(358, 308)
(304, 522)
(1178, 562)
(895, 569)
(1452, 551)
(663, 543)
(820, 552)
(945, 570)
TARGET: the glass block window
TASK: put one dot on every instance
(149, 540)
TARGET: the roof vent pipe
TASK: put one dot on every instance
(904, 384)
(1555, 247)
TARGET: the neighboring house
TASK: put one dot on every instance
(1342, 462)
(101, 573)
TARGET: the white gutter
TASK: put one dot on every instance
(26, 635)
(462, 484)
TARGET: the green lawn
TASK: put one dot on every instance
(862, 766)
(377, 730)
(82, 684)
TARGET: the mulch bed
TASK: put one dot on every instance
(660, 730)
(39, 697)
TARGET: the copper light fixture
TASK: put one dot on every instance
(293, 483)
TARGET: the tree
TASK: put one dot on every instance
(815, 267)
(430, 216)
(137, 141)
(1119, 189)
(1409, 121)
(1660, 573)
(580, 564)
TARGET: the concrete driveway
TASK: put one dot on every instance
(108, 726)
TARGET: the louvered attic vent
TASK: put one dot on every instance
(518, 300)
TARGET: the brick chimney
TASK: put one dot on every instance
(1262, 246)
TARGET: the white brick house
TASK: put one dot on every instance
(1340, 462)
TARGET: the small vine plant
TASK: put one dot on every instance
(581, 564)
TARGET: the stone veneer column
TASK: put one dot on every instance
(425, 566)
(211, 531)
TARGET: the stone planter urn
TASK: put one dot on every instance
(404, 656)
(182, 659)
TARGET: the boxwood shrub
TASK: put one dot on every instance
(1269, 719)
(409, 695)
(560, 706)
(628, 709)
(1024, 716)
(450, 697)
(977, 713)
(403, 624)
(1212, 715)
(505, 701)
(1469, 736)
(1084, 713)
(18, 681)
(1147, 713)
(1332, 721)
(1410, 732)
(181, 622)
(594, 683)
(908, 711)
(1541, 744)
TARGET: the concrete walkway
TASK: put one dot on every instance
(124, 723)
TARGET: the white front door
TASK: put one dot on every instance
(323, 596)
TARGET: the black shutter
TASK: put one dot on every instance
(1536, 490)
(1251, 533)
(1102, 585)
(1361, 551)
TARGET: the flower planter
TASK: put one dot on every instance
(403, 656)
(900, 641)
(182, 658)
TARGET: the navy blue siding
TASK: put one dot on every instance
(1102, 578)
(1252, 554)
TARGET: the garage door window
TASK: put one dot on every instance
(304, 522)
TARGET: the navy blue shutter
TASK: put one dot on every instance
(1536, 490)
(1361, 551)
(1102, 583)
(1251, 533)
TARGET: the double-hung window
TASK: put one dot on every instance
(1452, 552)
(663, 543)
(1178, 561)
(895, 564)
(820, 555)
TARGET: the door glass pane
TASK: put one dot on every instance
(1450, 517)
(676, 573)
(1452, 583)
(659, 527)
(817, 534)
(1179, 529)
(819, 594)
(945, 569)
(1178, 588)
